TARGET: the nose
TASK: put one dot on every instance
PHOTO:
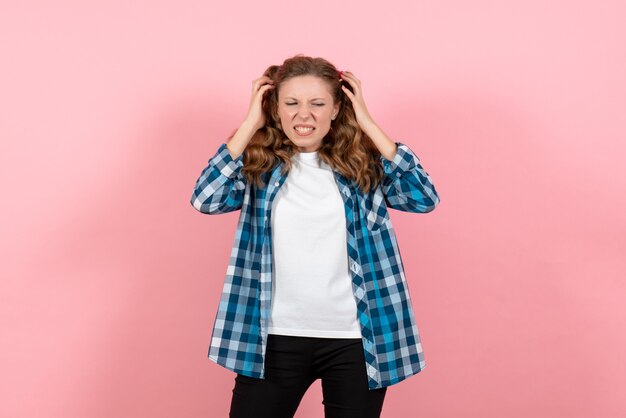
(304, 111)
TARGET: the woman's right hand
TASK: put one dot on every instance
(255, 117)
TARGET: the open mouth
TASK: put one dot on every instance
(304, 131)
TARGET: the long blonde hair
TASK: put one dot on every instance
(346, 148)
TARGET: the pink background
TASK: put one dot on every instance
(110, 279)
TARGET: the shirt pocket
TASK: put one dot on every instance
(376, 217)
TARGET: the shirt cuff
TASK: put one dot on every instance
(404, 160)
(225, 163)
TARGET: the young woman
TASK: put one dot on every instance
(315, 287)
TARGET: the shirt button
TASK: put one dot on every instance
(398, 174)
(276, 184)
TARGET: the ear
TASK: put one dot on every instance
(336, 110)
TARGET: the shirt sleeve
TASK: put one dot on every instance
(406, 185)
(221, 185)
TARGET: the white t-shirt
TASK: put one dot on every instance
(311, 284)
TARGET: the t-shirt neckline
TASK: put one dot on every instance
(307, 155)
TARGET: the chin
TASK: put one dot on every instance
(306, 142)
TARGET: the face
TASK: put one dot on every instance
(305, 102)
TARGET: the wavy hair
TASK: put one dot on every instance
(346, 148)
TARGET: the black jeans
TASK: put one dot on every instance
(292, 363)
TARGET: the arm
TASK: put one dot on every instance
(406, 185)
(220, 187)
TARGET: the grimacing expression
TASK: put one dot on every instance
(306, 109)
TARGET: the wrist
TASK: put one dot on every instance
(247, 128)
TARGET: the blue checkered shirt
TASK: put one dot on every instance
(391, 342)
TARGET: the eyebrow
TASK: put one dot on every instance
(315, 98)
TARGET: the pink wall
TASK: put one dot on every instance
(110, 279)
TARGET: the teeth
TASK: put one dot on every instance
(302, 129)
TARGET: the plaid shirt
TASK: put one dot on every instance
(391, 342)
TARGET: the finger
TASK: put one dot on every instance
(263, 89)
(260, 83)
(354, 86)
(353, 81)
(347, 78)
(262, 80)
(260, 93)
(351, 76)
(348, 92)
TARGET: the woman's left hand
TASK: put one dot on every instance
(385, 145)
(358, 103)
